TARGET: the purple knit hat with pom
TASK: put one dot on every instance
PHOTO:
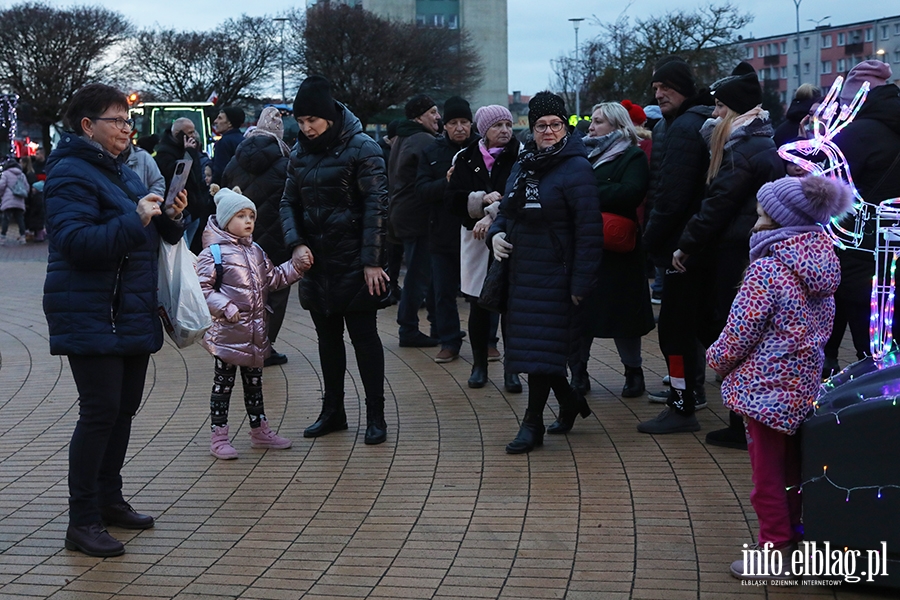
(793, 201)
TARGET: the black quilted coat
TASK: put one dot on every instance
(336, 203)
(728, 212)
(259, 168)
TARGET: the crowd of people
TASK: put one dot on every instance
(562, 224)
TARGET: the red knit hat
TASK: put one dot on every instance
(638, 117)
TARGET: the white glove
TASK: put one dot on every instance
(502, 248)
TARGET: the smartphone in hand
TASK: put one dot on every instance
(179, 180)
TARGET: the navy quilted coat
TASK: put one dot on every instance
(100, 290)
(556, 255)
(336, 203)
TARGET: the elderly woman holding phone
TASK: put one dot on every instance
(100, 301)
(551, 231)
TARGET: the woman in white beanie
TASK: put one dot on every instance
(474, 192)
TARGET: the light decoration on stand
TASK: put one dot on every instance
(829, 120)
(9, 118)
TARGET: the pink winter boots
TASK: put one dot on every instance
(260, 437)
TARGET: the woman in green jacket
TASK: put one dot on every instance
(620, 307)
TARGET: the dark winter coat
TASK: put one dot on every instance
(336, 203)
(728, 212)
(223, 151)
(620, 306)
(789, 129)
(408, 214)
(470, 175)
(259, 168)
(431, 184)
(870, 144)
(200, 205)
(100, 290)
(679, 182)
(555, 256)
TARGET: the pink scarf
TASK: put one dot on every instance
(489, 154)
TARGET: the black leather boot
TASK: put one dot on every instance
(332, 417)
(634, 382)
(580, 381)
(531, 435)
(511, 383)
(569, 408)
(732, 436)
(93, 540)
(479, 376)
(376, 427)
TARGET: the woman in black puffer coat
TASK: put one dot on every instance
(334, 213)
(259, 168)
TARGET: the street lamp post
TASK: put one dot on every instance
(576, 23)
(818, 46)
(282, 20)
(797, 7)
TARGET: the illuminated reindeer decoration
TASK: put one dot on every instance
(827, 122)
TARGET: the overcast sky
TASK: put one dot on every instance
(539, 30)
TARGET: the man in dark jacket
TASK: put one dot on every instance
(435, 168)
(228, 125)
(678, 189)
(871, 145)
(177, 143)
(408, 215)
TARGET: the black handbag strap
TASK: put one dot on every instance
(117, 181)
(885, 176)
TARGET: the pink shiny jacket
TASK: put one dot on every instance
(248, 275)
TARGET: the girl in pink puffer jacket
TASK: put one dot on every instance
(236, 290)
(771, 350)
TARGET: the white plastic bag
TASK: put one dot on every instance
(182, 307)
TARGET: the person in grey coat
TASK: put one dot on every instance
(141, 162)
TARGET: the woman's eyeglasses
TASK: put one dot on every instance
(118, 122)
(555, 127)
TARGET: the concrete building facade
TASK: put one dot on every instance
(484, 20)
(820, 55)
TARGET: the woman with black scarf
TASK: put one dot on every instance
(550, 229)
(333, 214)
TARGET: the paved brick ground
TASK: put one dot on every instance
(439, 511)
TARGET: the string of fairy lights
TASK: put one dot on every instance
(8, 119)
(848, 490)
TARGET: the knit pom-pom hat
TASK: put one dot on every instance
(487, 116)
(229, 203)
(793, 201)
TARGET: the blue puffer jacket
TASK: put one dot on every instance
(100, 291)
(555, 256)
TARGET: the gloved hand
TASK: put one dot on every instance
(502, 248)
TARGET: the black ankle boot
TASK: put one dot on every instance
(732, 436)
(93, 540)
(511, 383)
(531, 435)
(332, 417)
(634, 382)
(569, 409)
(376, 427)
(479, 376)
(580, 381)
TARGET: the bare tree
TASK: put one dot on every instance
(48, 53)
(619, 62)
(235, 60)
(374, 63)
